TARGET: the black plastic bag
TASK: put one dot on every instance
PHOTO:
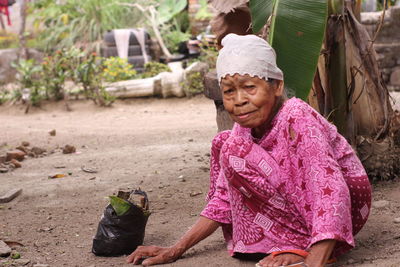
(120, 235)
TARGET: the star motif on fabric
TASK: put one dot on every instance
(314, 114)
(281, 187)
(340, 209)
(314, 133)
(307, 207)
(291, 120)
(314, 151)
(300, 163)
(222, 192)
(314, 234)
(329, 170)
(327, 191)
(321, 212)
(313, 173)
(303, 185)
(274, 142)
(299, 137)
(285, 134)
(281, 162)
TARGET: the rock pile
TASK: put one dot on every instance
(12, 158)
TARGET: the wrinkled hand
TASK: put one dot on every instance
(154, 255)
(280, 260)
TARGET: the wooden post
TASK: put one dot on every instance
(3, 27)
(212, 91)
(23, 52)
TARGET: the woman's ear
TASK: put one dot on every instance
(279, 88)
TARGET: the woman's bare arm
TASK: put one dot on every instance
(158, 255)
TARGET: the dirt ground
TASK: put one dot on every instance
(159, 145)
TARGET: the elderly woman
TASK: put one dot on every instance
(285, 186)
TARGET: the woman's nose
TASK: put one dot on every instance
(241, 99)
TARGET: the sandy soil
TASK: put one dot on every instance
(159, 145)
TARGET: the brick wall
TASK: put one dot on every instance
(387, 44)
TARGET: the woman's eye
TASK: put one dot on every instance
(228, 91)
(250, 86)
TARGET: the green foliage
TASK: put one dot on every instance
(119, 205)
(105, 98)
(203, 13)
(389, 3)
(8, 40)
(151, 69)
(181, 20)
(55, 70)
(26, 69)
(169, 9)
(209, 55)
(15, 255)
(87, 71)
(28, 79)
(174, 38)
(176, 30)
(296, 33)
(260, 12)
(41, 3)
(16, 94)
(117, 69)
(47, 81)
(193, 84)
(4, 96)
(81, 23)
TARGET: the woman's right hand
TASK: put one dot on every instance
(153, 255)
(159, 255)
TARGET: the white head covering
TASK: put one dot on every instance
(247, 54)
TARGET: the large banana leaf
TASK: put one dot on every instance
(296, 33)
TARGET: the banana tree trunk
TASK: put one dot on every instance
(337, 107)
(354, 96)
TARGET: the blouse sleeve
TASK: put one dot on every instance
(322, 195)
(218, 206)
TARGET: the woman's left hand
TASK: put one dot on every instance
(280, 260)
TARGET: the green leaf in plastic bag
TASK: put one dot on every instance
(119, 205)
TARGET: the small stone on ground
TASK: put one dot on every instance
(21, 262)
(68, 149)
(15, 154)
(380, 204)
(10, 195)
(5, 250)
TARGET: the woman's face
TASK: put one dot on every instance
(249, 100)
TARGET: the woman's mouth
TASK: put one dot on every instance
(244, 115)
